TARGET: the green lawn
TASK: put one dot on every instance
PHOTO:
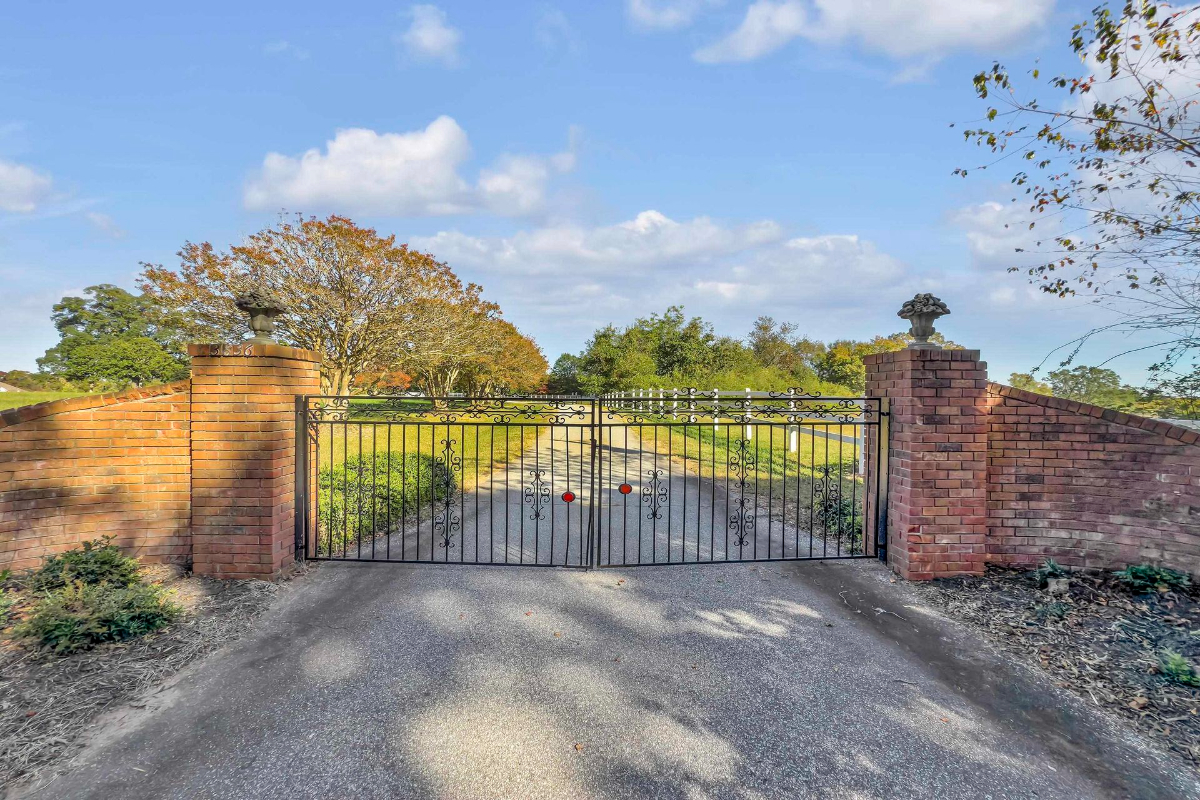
(822, 478)
(481, 447)
(416, 460)
(18, 399)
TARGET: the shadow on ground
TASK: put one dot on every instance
(738, 681)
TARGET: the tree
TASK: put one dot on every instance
(842, 360)
(366, 303)
(514, 365)
(112, 338)
(1095, 385)
(1026, 381)
(1112, 167)
(564, 375)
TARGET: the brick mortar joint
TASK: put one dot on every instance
(1108, 415)
(16, 416)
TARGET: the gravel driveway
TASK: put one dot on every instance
(738, 681)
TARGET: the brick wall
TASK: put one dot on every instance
(244, 456)
(114, 464)
(937, 512)
(1089, 487)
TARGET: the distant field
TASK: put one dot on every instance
(17, 399)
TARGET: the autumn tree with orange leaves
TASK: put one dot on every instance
(370, 306)
(517, 364)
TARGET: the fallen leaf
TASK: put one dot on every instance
(558, 633)
(1139, 702)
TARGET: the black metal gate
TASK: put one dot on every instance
(676, 477)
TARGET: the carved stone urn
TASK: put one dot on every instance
(921, 312)
(263, 308)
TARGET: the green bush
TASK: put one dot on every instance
(1144, 578)
(1177, 668)
(358, 497)
(92, 563)
(7, 601)
(80, 615)
(1049, 569)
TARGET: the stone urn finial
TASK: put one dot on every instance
(263, 308)
(921, 312)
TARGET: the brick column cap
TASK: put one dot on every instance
(911, 354)
(247, 350)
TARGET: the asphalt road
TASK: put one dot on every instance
(726, 681)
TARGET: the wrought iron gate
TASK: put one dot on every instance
(681, 477)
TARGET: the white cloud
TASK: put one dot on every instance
(22, 188)
(666, 14)
(924, 30)
(429, 37)
(567, 279)
(650, 241)
(404, 174)
(996, 231)
(105, 224)
(554, 31)
(283, 47)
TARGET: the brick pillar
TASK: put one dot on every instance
(937, 493)
(244, 455)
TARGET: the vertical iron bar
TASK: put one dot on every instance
(388, 542)
(684, 505)
(728, 519)
(812, 484)
(374, 483)
(300, 511)
(882, 478)
(825, 501)
(553, 492)
(522, 507)
(358, 519)
(787, 450)
(476, 489)
(641, 473)
(854, 493)
(404, 499)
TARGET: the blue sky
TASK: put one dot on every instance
(586, 162)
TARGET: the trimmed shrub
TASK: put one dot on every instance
(80, 615)
(359, 496)
(91, 563)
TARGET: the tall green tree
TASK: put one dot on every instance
(1026, 381)
(113, 338)
(1095, 385)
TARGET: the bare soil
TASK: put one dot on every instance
(47, 702)
(1099, 640)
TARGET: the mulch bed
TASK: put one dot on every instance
(1099, 641)
(46, 702)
